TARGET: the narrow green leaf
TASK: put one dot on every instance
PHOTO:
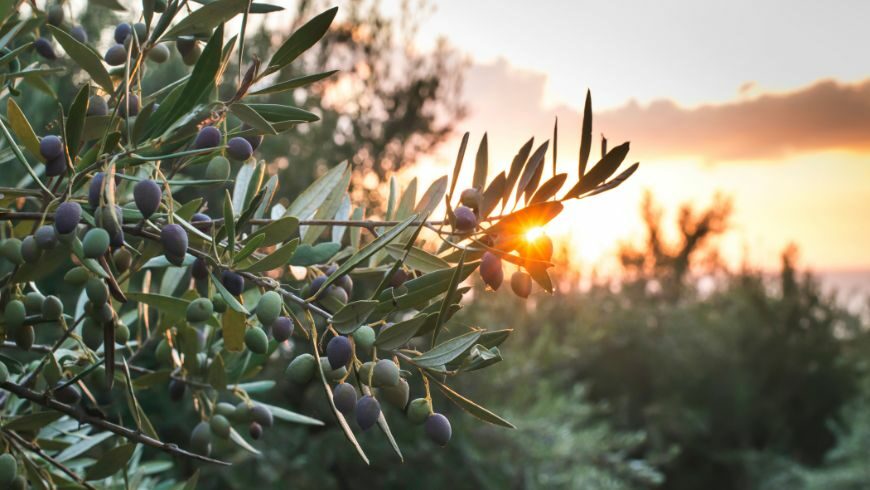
(307, 255)
(532, 171)
(22, 128)
(206, 18)
(293, 83)
(242, 443)
(481, 164)
(417, 259)
(305, 37)
(217, 373)
(86, 57)
(447, 351)
(32, 421)
(229, 223)
(601, 171)
(307, 203)
(469, 406)
(110, 463)
(457, 167)
(75, 121)
(352, 315)
(585, 136)
(168, 305)
(329, 207)
(549, 188)
(290, 416)
(278, 113)
(229, 298)
(278, 258)
(233, 326)
(400, 333)
(493, 195)
(616, 181)
(252, 117)
(280, 230)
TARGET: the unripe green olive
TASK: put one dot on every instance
(219, 303)
(163, 352)
(52, 308)
(159, 53)
(199, 310)
(24, 337)
(419, 410)
(30, 250)
(364, 338)
(242, 412)
(33, 302)
(11, 250)
(95, 243)
(97, 291)
(256, 340)
(386, 373)
(332, 374)
(14, 315)
(200, 439)
(219, 426)
(218, 169)
(8, 469)
(123, 259)
(92, 333)
(301, 369)
(122, 334)
(77, 276)
(365, 372)
(396, 396)
(225, 409)
(269, 307)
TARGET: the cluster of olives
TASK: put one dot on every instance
(256, 416)
(341, 289)
(55, 16)
(492, 274)
(9, 477)
(382, 375)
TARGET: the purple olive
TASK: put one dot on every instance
(367, 412)
(116, 55)
(282, 329)
(78, 33)
(465, 219)
(438, 429)
(208, 137)
(44, 48)
(67, 217)
(51, 147)
(491, 271)
(147, 195)
(239, 149)
(97, 106)
(233, 282)
(55, 166)
(344, 397)
(174, 240)
(339, 351)
(122, 31)
(133, 101)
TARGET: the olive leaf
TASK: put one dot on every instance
(307, 255)
(86, 57)
(281, 257)
(417, 259)
(469, 406)
(446, 351)
(481, 163)
(290, 416)
(207, 17)
(22, 128)
(400, 333)
(110, 463)
(233, 328)
(301, 40)
(352, 315)
(585, 135)
(294, 83)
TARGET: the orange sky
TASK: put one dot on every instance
(773, 111)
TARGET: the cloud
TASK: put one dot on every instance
(827, 115)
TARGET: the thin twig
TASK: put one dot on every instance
(100, 423)
(39, 452)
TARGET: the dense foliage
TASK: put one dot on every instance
(146, 261)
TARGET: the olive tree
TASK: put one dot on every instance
(117, 290)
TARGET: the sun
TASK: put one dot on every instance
(534, 233)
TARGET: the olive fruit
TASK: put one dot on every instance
(52, 308)
(385, 373)
(78, 33)
(159, 53)
(470, 198)
(110, 219)
(262, 415)
(225, 409)
(364, 337)
(50, 147)
(147, 195)
(339, 351)
(346, 283)
(219, 426)
(282, 328)
(396, 396)
(92, 333)
(30, 251)
(55, 15)
(11, 250)
(521, 284)
(330, 373)
(95, 189)
(419, 410)
(117, 240)
(129, 106)
(68, 394)
(337, 293)
(201, 221)
(465, 219)
(255, 139)
(46, 237)
(116, 55)
(200, 439)
(67, 217)
(314, 288)
(95, 243)
(491, 271)
(97, 106)
(255, 430)
(365, 372)
(14, 314)
(234, 283)
(24, 337)
(122, 334)
(174, 240)
(33, 302)
(185, 45)
(242, 412)
(239, 149)
(123, 259)
(438, 429)
(141, 30)
(269, 307)
(220, 305)
(367, 412)
(256, 340)
(218, 169)
(56, 166)
(301, 369)
(199, 269)
(199, 310)
(103, 312)
(176, 390)
(208, 137)
(4, 372)
(344, 398)
(44, 48)
(19, 483)
(163, 352)
(398, 278)
(122, 31)
(8, 469)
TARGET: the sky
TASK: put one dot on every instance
(767, 102)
